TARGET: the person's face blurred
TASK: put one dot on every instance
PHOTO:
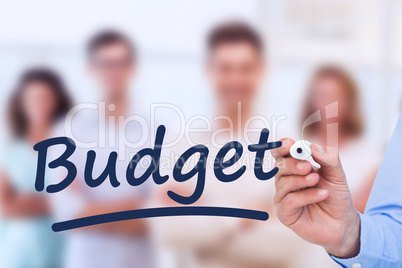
(112, 66)
(235, 71)
(327, 90)
(38, 103)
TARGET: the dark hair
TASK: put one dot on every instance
(353, 123)
(110, 37)
(17, 118)
(234, 32)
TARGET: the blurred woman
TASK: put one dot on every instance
(26, 238)
(331, 84)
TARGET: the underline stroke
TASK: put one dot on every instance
(160, 212)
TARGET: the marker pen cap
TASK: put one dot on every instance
(301, 150)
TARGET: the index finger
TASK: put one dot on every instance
(284, 149)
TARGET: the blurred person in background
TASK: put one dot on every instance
(235, 68)
(26, 239)
(331, 83)
(112, 64)
(334, 94)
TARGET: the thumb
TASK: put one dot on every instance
(328, 159)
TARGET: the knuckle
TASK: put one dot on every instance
(279, 184)
(277, 179)
(288, 199)
(276, 200)
(281, 163)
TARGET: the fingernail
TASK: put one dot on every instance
(301, 165)
(286, 143)
(323, 192)
(309, 177)
(319, 149)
